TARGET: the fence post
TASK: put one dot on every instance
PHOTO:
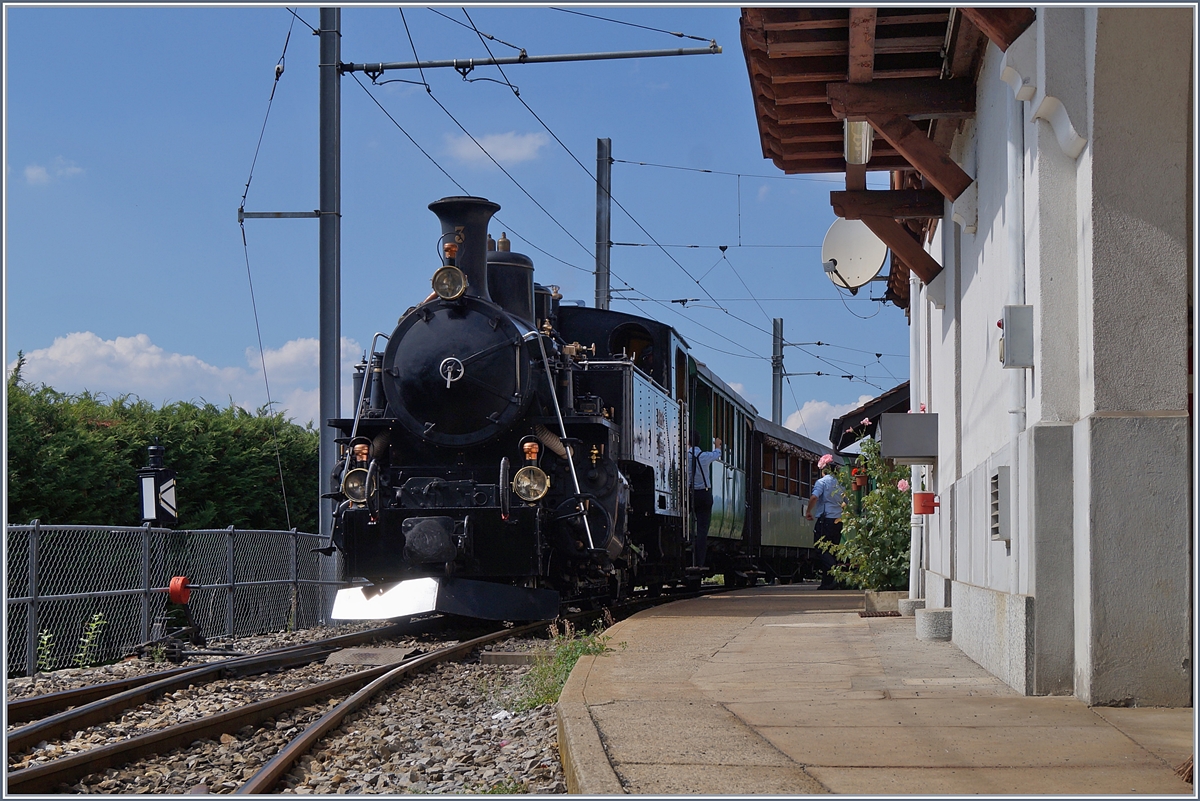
(31, 611)
(229, 586)
(145, 582)
(295, 618)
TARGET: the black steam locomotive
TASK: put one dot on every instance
(510, 453)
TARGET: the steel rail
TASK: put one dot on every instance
(49, 776)
(92, 705)
(35, 707)
(270, 774)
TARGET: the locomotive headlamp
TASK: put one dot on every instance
(449, 282)
(354, 485)
(531, 483)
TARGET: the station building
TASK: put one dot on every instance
(1041, 165)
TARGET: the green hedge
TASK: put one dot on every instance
(73, 459)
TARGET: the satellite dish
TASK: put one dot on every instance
(852, 254)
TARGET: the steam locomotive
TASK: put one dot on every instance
(510, 453)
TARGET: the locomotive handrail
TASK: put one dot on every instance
(570, 453)
(362, 393)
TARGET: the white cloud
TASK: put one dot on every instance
(37, 175)
(816, 416)
(136, 366)
(506, 148)
(763, 191)
(738, 388)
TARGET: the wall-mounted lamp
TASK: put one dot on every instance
(859, 136)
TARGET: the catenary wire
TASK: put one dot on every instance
(676, 34)
(588, 172)
(572, 155)
(279, 69)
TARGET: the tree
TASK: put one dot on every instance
(73, 459)
(876, 528)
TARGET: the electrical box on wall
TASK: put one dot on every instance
(998, 500)
(1016, 341)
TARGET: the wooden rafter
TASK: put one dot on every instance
(1001, 25)
(862, 44)
(900, 204)
(925, 155)
(915, 98)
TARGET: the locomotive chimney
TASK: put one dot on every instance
(465, 222)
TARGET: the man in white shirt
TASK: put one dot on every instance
(700, 480)
(827, 499)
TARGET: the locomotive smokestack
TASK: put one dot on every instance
(465, 222)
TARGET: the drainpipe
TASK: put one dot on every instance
(1015, 211)
(916, 580)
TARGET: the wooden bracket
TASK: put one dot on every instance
(915, 98)
(909, 250)
(930, 158)
(900, 204)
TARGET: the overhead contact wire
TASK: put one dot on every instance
(279, 69)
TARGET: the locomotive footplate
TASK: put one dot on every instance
(447, 594)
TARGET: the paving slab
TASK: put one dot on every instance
(937, 746)
(1087, 781)
(1002, 711)
(787, 691)
(703, 779)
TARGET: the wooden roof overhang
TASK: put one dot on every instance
(909, 72)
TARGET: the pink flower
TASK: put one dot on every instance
(866, 421)
(902, 485)
(922, 407)
(824, 461)
(849, 430)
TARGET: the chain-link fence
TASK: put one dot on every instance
(88, 594)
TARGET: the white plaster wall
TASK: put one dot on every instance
(1092, 594)
(985, 276)
(1132, 499)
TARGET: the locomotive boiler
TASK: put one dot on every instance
(487, 467)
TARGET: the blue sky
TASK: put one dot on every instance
(130, 134)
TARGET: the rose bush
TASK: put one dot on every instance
(876, 528)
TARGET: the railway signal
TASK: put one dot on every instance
(157, 485)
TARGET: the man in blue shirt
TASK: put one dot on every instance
(700, 480)
(827, 500)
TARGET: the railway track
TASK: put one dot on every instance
(295, 720)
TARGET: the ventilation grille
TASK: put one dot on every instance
(998, 505)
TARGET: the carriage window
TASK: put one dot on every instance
(681, 374)
(793, 475)
(768, 467)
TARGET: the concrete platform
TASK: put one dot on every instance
(786, 691)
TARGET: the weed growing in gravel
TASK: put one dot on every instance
(45, 651)
(545, 679)
(89, 643)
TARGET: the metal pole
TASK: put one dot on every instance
(777, 371)
(330, 251)
(603, 219)
(229, 578)
(146, 582)
(31, 608)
